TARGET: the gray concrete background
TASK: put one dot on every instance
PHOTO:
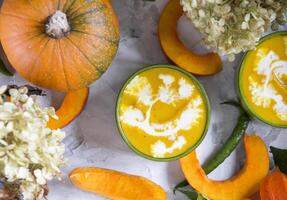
(93, 139)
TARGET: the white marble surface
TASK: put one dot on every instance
(93, 139)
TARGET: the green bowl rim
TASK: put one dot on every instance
(202, 92)
(239, 85)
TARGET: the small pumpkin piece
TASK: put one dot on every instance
(274, 186)
(71, 107)
(116, 185)
(241, 186)
(206, 64)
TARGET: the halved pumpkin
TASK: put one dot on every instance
(72, 105)
(241, 186)
(207, 64)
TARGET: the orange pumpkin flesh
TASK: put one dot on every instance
(243, 185)
(274, 187)
(65, 50)
(207, 64)
(72, 105)
(116, 185)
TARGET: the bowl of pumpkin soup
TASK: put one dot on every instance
(262, 80)
(162, 112)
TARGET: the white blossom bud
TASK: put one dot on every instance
(3, 89)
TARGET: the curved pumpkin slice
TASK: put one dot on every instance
(207, 64)
(72, 105)
(243, 185)
(274, 187)
(116, 185)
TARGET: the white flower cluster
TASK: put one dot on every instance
(30, 153)
(233, 26)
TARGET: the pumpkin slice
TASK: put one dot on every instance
(116, 185)
(206, 64)
(243, 185)
(72, 105)
(274, 187)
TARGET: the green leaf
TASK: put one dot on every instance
(192, 195)
(4, 70)
(200, 197)
(280, 158)
(182, 184)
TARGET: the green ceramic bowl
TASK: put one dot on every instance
(200, 89)
(239, 86)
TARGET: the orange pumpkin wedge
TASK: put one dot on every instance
(116, 185)
(274, 187)
(241, 186)
(72, 105)
(206, 64)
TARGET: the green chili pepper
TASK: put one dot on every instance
(230, 144)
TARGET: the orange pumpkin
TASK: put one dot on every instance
(116, 185)
(205, 64)
(243, 185)
(274, 187)
(59, 44)
(71, 107)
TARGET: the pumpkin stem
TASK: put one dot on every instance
(57, 25)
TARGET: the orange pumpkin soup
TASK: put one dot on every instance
(162, 112)
(263, 80)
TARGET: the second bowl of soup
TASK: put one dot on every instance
(262, 80)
